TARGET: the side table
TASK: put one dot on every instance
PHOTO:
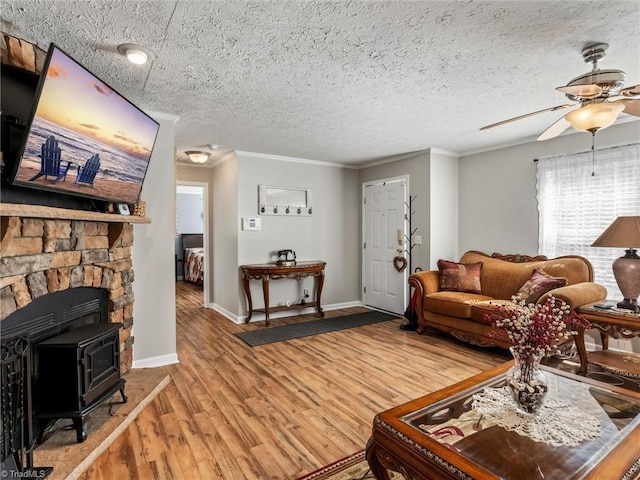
(615, 323)
(276, 271)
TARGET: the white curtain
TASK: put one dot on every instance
(578, 199)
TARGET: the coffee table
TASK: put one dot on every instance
(400, 442)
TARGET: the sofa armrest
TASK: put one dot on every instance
(425, 282)
(578, 294)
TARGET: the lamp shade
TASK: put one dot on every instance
(197, 157)
(624, 232)
(594, 116)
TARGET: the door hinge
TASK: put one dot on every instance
(364, 200)
(365, 289)
(365, 245)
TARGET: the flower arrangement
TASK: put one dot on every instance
(535, 330)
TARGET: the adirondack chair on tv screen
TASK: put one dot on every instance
(51, 162)
(87, 174)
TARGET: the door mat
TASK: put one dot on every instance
(264, 336)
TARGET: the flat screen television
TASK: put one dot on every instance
(83, 138)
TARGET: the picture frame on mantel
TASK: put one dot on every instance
(286, 201)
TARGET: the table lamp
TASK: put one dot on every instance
(624, 232)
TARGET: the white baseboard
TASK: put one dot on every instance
(225, 313)
(156, 361)
(259, 317)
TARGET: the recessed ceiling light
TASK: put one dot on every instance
(134, 53)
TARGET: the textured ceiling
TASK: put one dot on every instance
(346, 82)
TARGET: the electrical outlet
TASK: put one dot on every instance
(417, 239)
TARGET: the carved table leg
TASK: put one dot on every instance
(582, 350)
(265, 294)
(247, 292)
(319, 293)
(378, 471)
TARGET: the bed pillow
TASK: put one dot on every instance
(539, 284)
(460, 277)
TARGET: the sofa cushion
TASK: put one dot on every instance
(454, 304)
(539, 284)
(480, 309)
(460, 277)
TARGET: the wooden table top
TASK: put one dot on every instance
(490, 452)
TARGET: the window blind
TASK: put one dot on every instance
(575, 207)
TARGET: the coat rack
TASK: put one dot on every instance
(408, 217)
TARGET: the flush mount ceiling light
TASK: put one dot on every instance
(134, 53)
(197, 156)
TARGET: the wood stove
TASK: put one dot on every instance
(79, 370)
(80, 367)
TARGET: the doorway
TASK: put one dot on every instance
(384, 234)
(192, 219)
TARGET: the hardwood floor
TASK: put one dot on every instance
(277, 411)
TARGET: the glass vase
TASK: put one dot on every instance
(527, 382)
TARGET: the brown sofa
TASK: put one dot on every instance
(462, 314)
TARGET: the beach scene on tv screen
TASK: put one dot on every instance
(85, 139)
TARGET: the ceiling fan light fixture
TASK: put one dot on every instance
(197, 156)
(594, 116)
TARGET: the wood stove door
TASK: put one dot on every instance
(102, 367)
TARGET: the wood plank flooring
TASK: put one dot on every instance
(282, 410)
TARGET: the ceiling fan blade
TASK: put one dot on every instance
(631, 106)
(552, 109)
(585, 91)
(630, 91)
(555, 129)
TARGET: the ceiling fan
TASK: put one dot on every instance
(598, 95)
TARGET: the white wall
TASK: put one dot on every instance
(190, 215)
(497, 201)
(443, 193)
(224, 289)
(154, 309)
(330, 234)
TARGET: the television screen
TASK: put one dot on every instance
(84, 138)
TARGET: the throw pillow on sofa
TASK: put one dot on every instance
(460, 277)
(539, 284)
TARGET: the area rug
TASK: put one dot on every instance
(314, 327)
(353, 467)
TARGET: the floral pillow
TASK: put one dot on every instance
(460, 277)
(539, 284)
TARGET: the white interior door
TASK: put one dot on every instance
(384, 232)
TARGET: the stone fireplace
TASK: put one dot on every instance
(61, 269)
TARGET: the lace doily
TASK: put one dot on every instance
(557, 422)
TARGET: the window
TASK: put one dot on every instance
(578, 199)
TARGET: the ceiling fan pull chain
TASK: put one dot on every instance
(593, 153)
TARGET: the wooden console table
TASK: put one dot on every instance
(274, 271)
(610, 322)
